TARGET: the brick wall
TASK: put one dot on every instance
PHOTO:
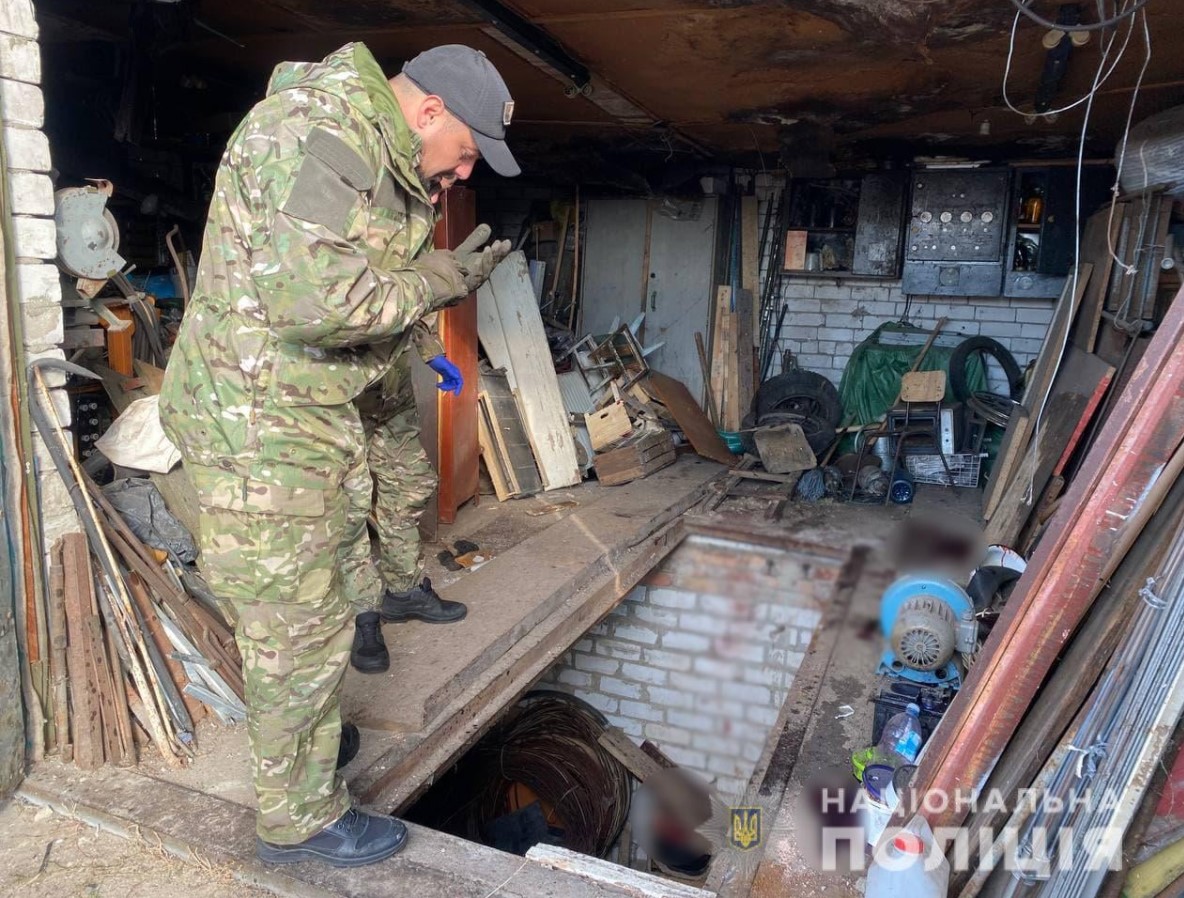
(700, 657)
(30, 190)
(828, 317)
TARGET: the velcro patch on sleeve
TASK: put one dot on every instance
(341, 157)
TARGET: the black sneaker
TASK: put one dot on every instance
(355, 840)
(421, 603)
(351, 741)
(369, 654)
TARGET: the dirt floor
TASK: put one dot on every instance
(45, 855)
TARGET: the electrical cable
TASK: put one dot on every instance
(1130, 113)
(1072, 293)
(1051, 112)
(1025, 8)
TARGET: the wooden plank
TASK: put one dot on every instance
(704, 438)
(606, 873)
(1016, 438)
(196, 826)
(509, 322)
(1095, 248)
(795, 250)
(527, 605)
(750, 270)
(58, 664)
(743, 354)
(705, 366)
(499, 472)
(639, 470)
(509, 435)
(85, 719)
(607, 425)
(1066, 413)
(1087, 416)
(640, 765)
(784, 449)
(732, 372)
(719, 353)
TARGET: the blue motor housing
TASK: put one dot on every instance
(926, 619)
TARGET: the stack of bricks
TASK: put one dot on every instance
(828, 316)
(700, 658)
(30, 192)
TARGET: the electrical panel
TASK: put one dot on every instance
(955, 240)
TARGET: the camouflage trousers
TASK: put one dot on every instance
(277, 554)
(404, 481)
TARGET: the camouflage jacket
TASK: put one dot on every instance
(303, 294)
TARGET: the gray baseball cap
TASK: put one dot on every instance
(475, 93)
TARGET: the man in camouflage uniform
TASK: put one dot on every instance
(316, 276)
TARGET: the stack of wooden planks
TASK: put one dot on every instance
(731, 376)
(1089, 354)
(510, 328)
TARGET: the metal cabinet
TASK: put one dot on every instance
(954, 245)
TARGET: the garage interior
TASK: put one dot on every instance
(835, 368)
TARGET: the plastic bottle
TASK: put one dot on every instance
(901, 739)
(908, 866)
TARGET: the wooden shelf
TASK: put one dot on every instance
(1028, 227)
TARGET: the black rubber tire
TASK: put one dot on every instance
(802, 393)
(961, 355)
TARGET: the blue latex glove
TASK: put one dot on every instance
(450, 378)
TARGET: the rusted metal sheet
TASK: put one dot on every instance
(1095, 523)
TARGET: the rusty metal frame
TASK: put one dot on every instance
(1095, 525)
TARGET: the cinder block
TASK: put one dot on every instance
(802, 319)
(601, 703)
(27, 148)
(697, 685)
(32, 193)
(622, 651)
(687, 642)
(830, 291)
(738, 650)
(670, 698)
(637, 634)
(631, 728)
(653, 676)
(16, 18)
(613, 686)
(1034, 316)
(642, 711)
(698, 623)
(685, 757)
(835, 333)
(672, 598)
(863, 291)
(1001, 330)
(23, 104)
(660, 617)
(994, 313)
(667, 660)
(717, 745)
(43, 325)
(34, 238)
(724, 671)
(596, 664)
(578, 678)
(762, 715)
(667, 735)
(20, 59)
(701, 723)
(755, 695)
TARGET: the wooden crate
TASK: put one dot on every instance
(640, 455)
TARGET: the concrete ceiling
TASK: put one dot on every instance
(701, 78)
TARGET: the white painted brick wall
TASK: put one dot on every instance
(700, 658)
(29, 158)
